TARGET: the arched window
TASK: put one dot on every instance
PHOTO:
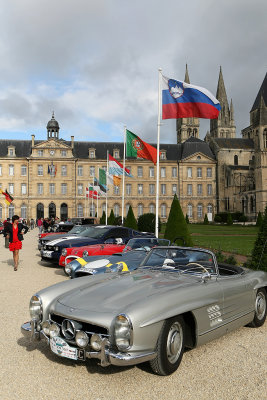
(152, 208)
(1, 211)
(52, 210)
(104, 208)
(209, 209)
(116, 210)
(140, 209)
(23, 211)
(11, 211)
(200, 211)
(163, 210)
(235, 160)
(92, 210)
(265, 138)
(190, 211)
(79, 210)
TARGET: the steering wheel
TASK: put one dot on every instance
(198, 265)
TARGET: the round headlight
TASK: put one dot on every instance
(46, 328)
(56, 248)
(85, 253)
(95, 342)
(54, 330)
(44, 247)
(64, 252)
(81, 339)
(123, 332)
(36, 308)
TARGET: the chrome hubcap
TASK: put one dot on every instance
(260, 305)
(174, 342)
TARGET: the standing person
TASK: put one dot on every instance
(15, 231)
(40, 224)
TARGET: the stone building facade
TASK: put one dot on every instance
(222, 173)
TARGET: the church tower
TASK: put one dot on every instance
(52, 128)
(224, 126)
(187, 127)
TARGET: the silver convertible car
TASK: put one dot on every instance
(178, 298)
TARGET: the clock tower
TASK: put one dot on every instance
(52, 128)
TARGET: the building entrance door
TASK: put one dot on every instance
(40, 211)
(52, 210)
(64, 212)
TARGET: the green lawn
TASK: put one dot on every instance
(236, 239)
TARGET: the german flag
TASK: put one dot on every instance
(8, 197)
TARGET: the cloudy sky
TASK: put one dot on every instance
(95, 63)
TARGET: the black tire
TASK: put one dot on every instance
(260, 309)
(170, 347)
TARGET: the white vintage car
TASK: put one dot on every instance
(179, 297)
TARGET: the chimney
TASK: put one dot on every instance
(33, 136)
(72, 142)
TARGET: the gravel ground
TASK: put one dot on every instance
(232, 367)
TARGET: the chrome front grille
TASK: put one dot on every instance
(90, 329)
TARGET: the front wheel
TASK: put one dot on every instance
(260, 309)
(170, 347)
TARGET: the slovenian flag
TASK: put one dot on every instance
(137, 148)
(116, 168)
(183, 100)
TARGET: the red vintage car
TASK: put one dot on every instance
(69, 254)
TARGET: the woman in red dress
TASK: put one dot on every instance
(15, 232)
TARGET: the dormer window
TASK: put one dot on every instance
(40, 153)
(11, 151)
(63, 153)
(91, 153)
(163, 155)
(116, 153)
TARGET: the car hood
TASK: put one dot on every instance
(105, 293)
(72, 241)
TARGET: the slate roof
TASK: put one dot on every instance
(234, 143)
(193, 145)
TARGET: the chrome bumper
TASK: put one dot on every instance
(105, 355)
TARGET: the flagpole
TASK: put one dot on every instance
(123, 176)
(158, 142)
(107, 190)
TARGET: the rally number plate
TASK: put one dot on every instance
(61, 348)
(47, 254)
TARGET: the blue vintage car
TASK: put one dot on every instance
(95, 234)
(131, 257)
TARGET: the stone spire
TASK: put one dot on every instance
(186, 77)
(224, 126)
(187, 127)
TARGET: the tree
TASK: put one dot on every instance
(146, 223)
(176, 225)
(259, 219)
(259, 253)
(206, 221)
(103, 218)
(187, 219)
(111, 218)
(229, 219)
(130, 220)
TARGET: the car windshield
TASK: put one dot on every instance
(138, 243)
(77, 229)
(180, 259)
(95, 232)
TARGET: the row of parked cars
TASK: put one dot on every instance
(146, 302)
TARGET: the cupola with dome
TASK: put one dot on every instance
(52, 128)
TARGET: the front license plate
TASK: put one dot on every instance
(47, 254)
(61, 348)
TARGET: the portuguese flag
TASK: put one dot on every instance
(137, 148)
